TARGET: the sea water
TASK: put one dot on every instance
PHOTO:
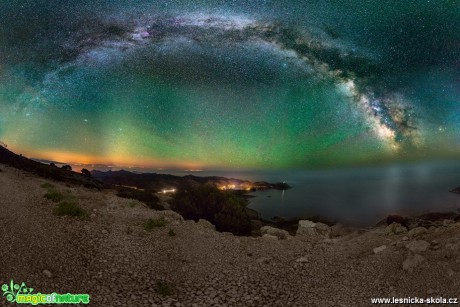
(358, 196)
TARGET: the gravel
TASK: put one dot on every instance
(111, 257)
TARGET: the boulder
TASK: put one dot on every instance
(418, 246)
(395, 228)
(279, 233)
(309, 228)
(417, 231)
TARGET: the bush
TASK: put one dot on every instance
(70, 209)
(86, 172)
(54, 195)
(164, 288)
(47, 185)
(171, 233)
(222, 208)
(154, 223)
(67, 167)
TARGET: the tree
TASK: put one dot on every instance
(67, 167)
(86, 172)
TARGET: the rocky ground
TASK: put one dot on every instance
(111, 256)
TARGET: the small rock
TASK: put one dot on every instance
(47, 273)
(104, 231)
(418, 246)
(447, 222)
(412, 261)
(450, 272)
(380, 249)
(302, 260)
(417, 231)
(430, 291)
(405, 238)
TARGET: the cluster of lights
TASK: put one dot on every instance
(165, 191)
(235, 187)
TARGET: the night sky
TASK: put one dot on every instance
(256, 84)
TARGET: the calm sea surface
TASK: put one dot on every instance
(360, 196)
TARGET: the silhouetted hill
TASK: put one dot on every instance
(47, 171)
(158, 182)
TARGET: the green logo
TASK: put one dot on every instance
(21, 294)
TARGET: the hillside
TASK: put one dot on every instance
(158, 182)
(120, 260)
(47, 171)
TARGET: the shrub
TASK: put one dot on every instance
(67, 167)
(171, 233)
(54, 195)
(164, 288)
(154, 223)
(47, 185)
(71, 209)
(222, 208)
(86, 172)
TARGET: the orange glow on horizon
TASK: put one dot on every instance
(115, 161)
